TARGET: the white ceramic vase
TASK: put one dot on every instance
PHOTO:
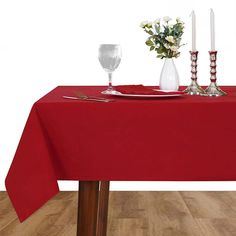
(169, 79)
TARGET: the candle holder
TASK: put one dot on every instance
(213, 90)
(194, 88)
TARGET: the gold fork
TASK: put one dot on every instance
(83, 96)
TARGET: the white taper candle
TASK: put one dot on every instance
(212, 20)
(193, 31)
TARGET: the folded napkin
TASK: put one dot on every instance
(142, 90)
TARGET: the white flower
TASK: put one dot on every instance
(173, 48)
(156, 28)
(143, 23)
(178, 20)
(170, 39)
(157, 21)
(167, 19)
(149, 24)
(167, 46)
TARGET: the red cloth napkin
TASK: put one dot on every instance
(142, 90)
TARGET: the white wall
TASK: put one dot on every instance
(53, 42)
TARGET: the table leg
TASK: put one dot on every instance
(103, 208)
(88, 208)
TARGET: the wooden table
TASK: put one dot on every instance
(93, 208)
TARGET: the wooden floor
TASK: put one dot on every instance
(132, 214)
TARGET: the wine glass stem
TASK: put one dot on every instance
(110, 80)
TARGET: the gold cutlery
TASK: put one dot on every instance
(87, 98)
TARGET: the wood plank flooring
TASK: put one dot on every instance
(132, 214)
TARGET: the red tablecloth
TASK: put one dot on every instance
(187, 138)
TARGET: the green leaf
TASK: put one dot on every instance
(151, 48)
(149, 32)
(157, 28)
(160, 50)
(149, 43)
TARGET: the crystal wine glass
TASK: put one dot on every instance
(109, 56)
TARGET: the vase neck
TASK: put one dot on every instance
(168, 59)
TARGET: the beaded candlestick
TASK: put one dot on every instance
(213, 89)
(194, 88)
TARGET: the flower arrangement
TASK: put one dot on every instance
(164, 38)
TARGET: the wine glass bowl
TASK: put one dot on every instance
(109, 56)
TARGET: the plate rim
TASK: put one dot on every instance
(143, 95)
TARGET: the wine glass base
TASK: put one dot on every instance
(194, 89)
(109, 91)
(214, 91)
